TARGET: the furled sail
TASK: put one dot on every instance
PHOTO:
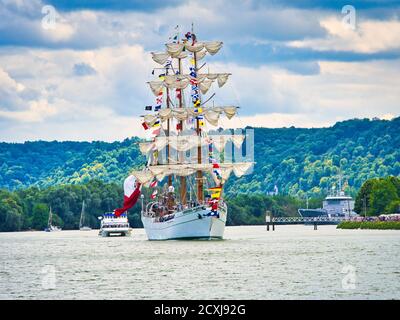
(194, 48)
(180, 114)
(155, 86)
(205, 85)
(174, 48)
(160, 171)
(176, 51)
(177, 84)
(211, 114)
(201, 54)
(213, 47)
(170, 79)
(177, 81)
(222, 79)
(187, 142)
(230, 112)
(160, 57)
(180, 55)
(143, 176)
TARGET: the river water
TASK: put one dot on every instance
(292, 262)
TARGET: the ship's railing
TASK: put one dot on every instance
(149, 212)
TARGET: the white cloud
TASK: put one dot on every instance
(84, 29)
(67, 106)
(106, 105)
(43, 97)
(37, 111)
(370, 36)
(340, 91)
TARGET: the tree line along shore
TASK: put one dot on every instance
(28, 209)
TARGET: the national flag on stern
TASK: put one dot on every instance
(131, 195)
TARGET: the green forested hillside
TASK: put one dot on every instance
(296, 160)
(37, 175)
(308, 160)
(45, 164)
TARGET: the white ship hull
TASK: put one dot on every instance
(190, 224)
(52, 229)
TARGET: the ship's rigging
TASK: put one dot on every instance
(175, 141)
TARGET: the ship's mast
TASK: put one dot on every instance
(82, 214)
(182, 179)
(50, 221)
(199, 173)
(168, 131)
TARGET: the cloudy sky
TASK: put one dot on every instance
(297, 63)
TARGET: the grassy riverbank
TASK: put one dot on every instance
(378, 225)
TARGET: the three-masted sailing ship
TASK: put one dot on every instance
(181, 152)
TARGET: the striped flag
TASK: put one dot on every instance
(131, 195)
(154, 184)
(154, 194)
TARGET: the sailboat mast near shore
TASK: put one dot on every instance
(182, 154)
(50, 227)
(82, 226)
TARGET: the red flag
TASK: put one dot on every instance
(178, 93)
(214, 204)
(131, 195)
(145, 125)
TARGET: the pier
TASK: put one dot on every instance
(272, 221)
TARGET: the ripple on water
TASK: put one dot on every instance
(293, 262)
